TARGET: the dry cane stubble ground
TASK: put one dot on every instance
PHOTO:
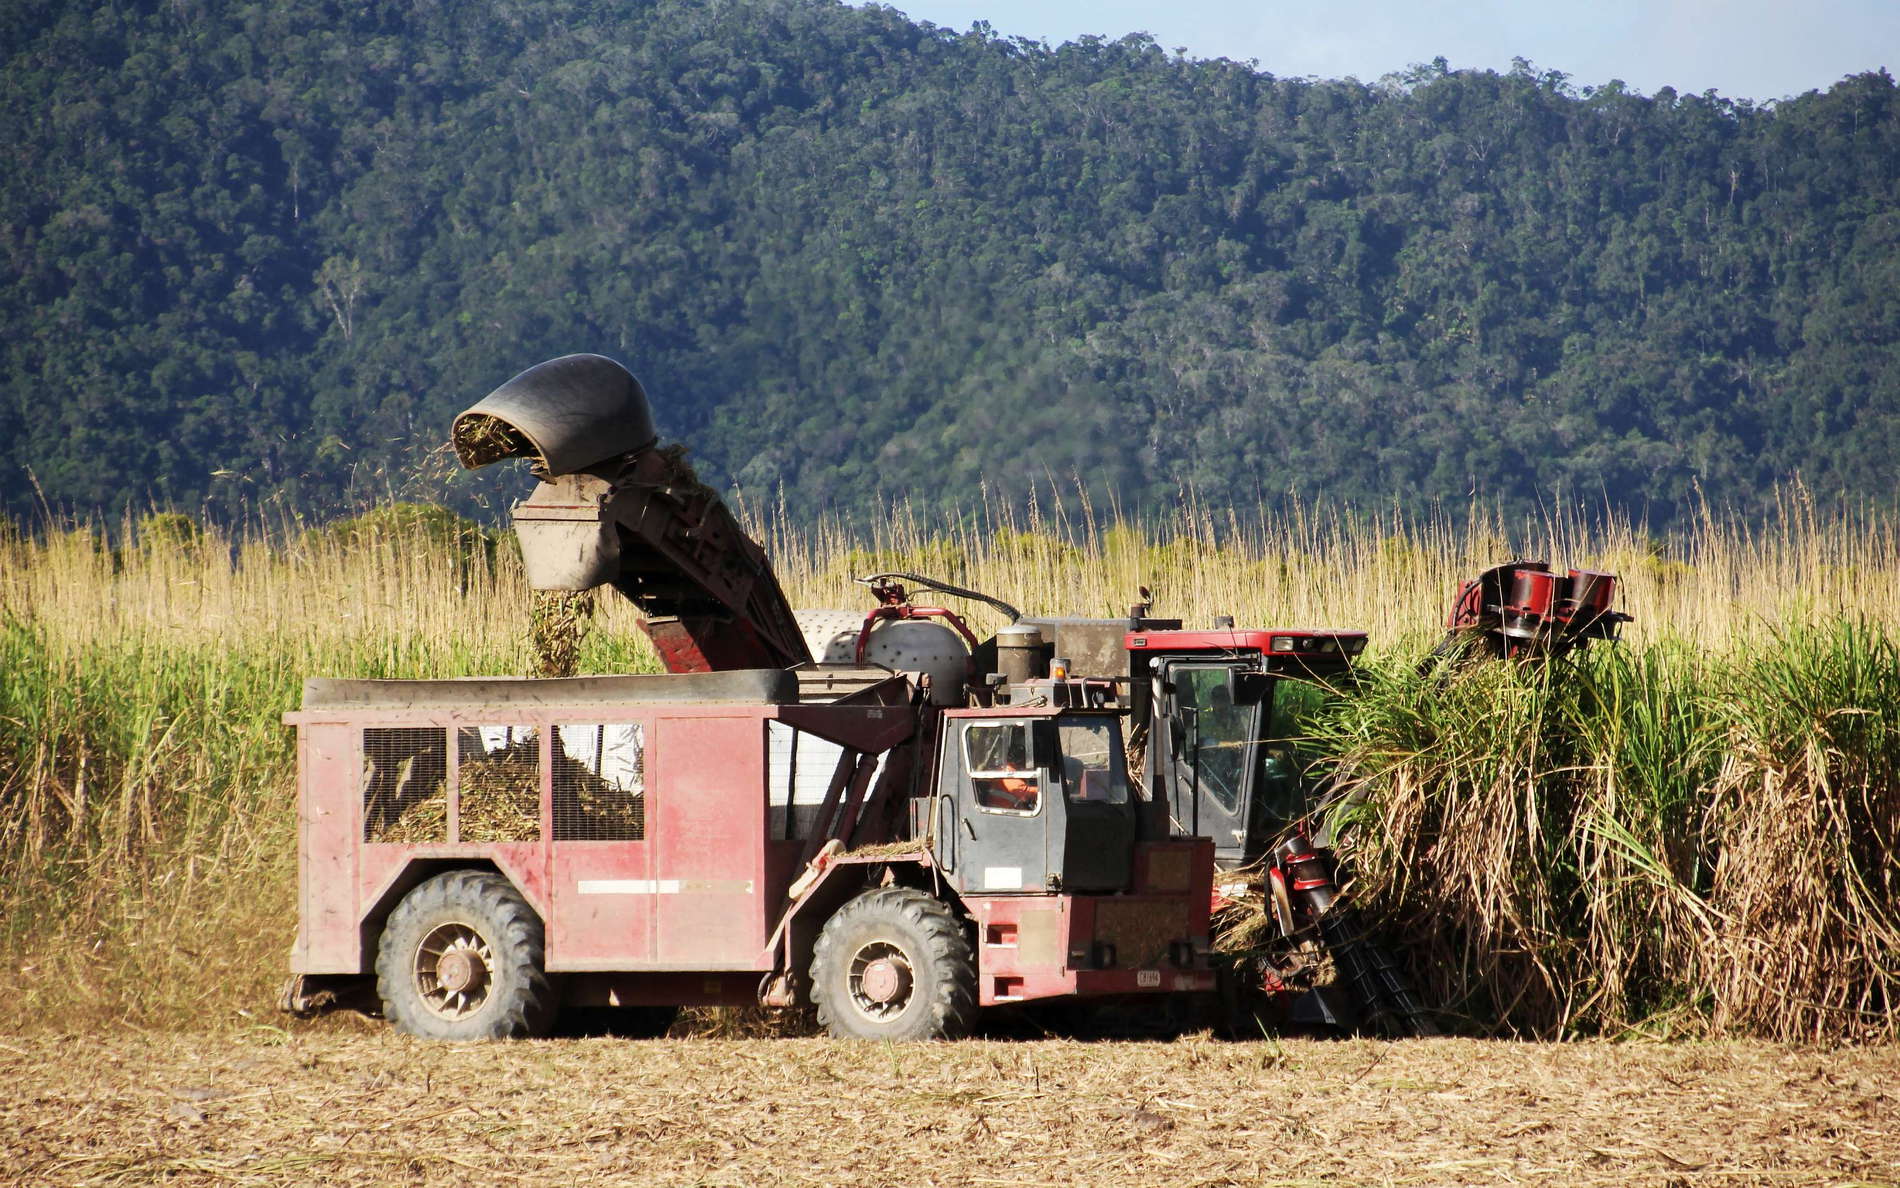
(329, 1105)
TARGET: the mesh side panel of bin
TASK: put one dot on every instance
(600, 782)
(498, 784)
(405, 784)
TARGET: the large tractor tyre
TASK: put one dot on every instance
(460, 959)
(893, 964)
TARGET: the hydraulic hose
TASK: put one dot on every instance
(929, 583)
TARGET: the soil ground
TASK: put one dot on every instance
(362, 1105)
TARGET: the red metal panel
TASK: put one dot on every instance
(1042, 946)
(603, 892)
(1238, 640)
(328, 822)
(603, 904)
(524, 863)
(707, 830)
(1231, 640)
(709, 644)
(1022, 946)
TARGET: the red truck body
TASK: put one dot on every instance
(657, 825)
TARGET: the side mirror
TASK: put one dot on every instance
(1178, 726)
(1251, 688)
(1043, 747)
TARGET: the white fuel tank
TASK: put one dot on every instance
(903, 645)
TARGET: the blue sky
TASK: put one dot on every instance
(1745, 49)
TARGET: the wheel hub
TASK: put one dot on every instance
(885, 981)
(453, 969)
(459, 971)
(882, 982)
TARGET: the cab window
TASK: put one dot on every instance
(1092, 768)
(997, 757)
(1282, 792)
(1219, 732)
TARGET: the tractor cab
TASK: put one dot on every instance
(1034, 799)
(1222, 704)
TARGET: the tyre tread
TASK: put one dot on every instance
(518, 946)
(953, 1006)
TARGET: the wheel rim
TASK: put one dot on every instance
(882, 981)
(454, 968)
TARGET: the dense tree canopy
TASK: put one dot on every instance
(268, 250)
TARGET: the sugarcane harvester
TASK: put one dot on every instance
(782, 819)
(1212, 714)
(611, 508)
(1213, 740)
(748, 828)
(1200, 702)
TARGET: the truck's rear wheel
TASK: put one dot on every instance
(460, 959)
(893, 964)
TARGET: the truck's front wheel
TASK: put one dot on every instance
(893, 964)
(460, 959)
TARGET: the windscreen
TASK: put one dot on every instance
(1280, 795)
(1092, 768)
(997, 758)
(1219, 732)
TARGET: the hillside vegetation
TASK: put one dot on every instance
(255, 251)
(1691, 833)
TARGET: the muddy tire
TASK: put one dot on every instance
(894, 964)
(460, 959)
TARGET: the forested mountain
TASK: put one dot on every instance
(268, 250)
